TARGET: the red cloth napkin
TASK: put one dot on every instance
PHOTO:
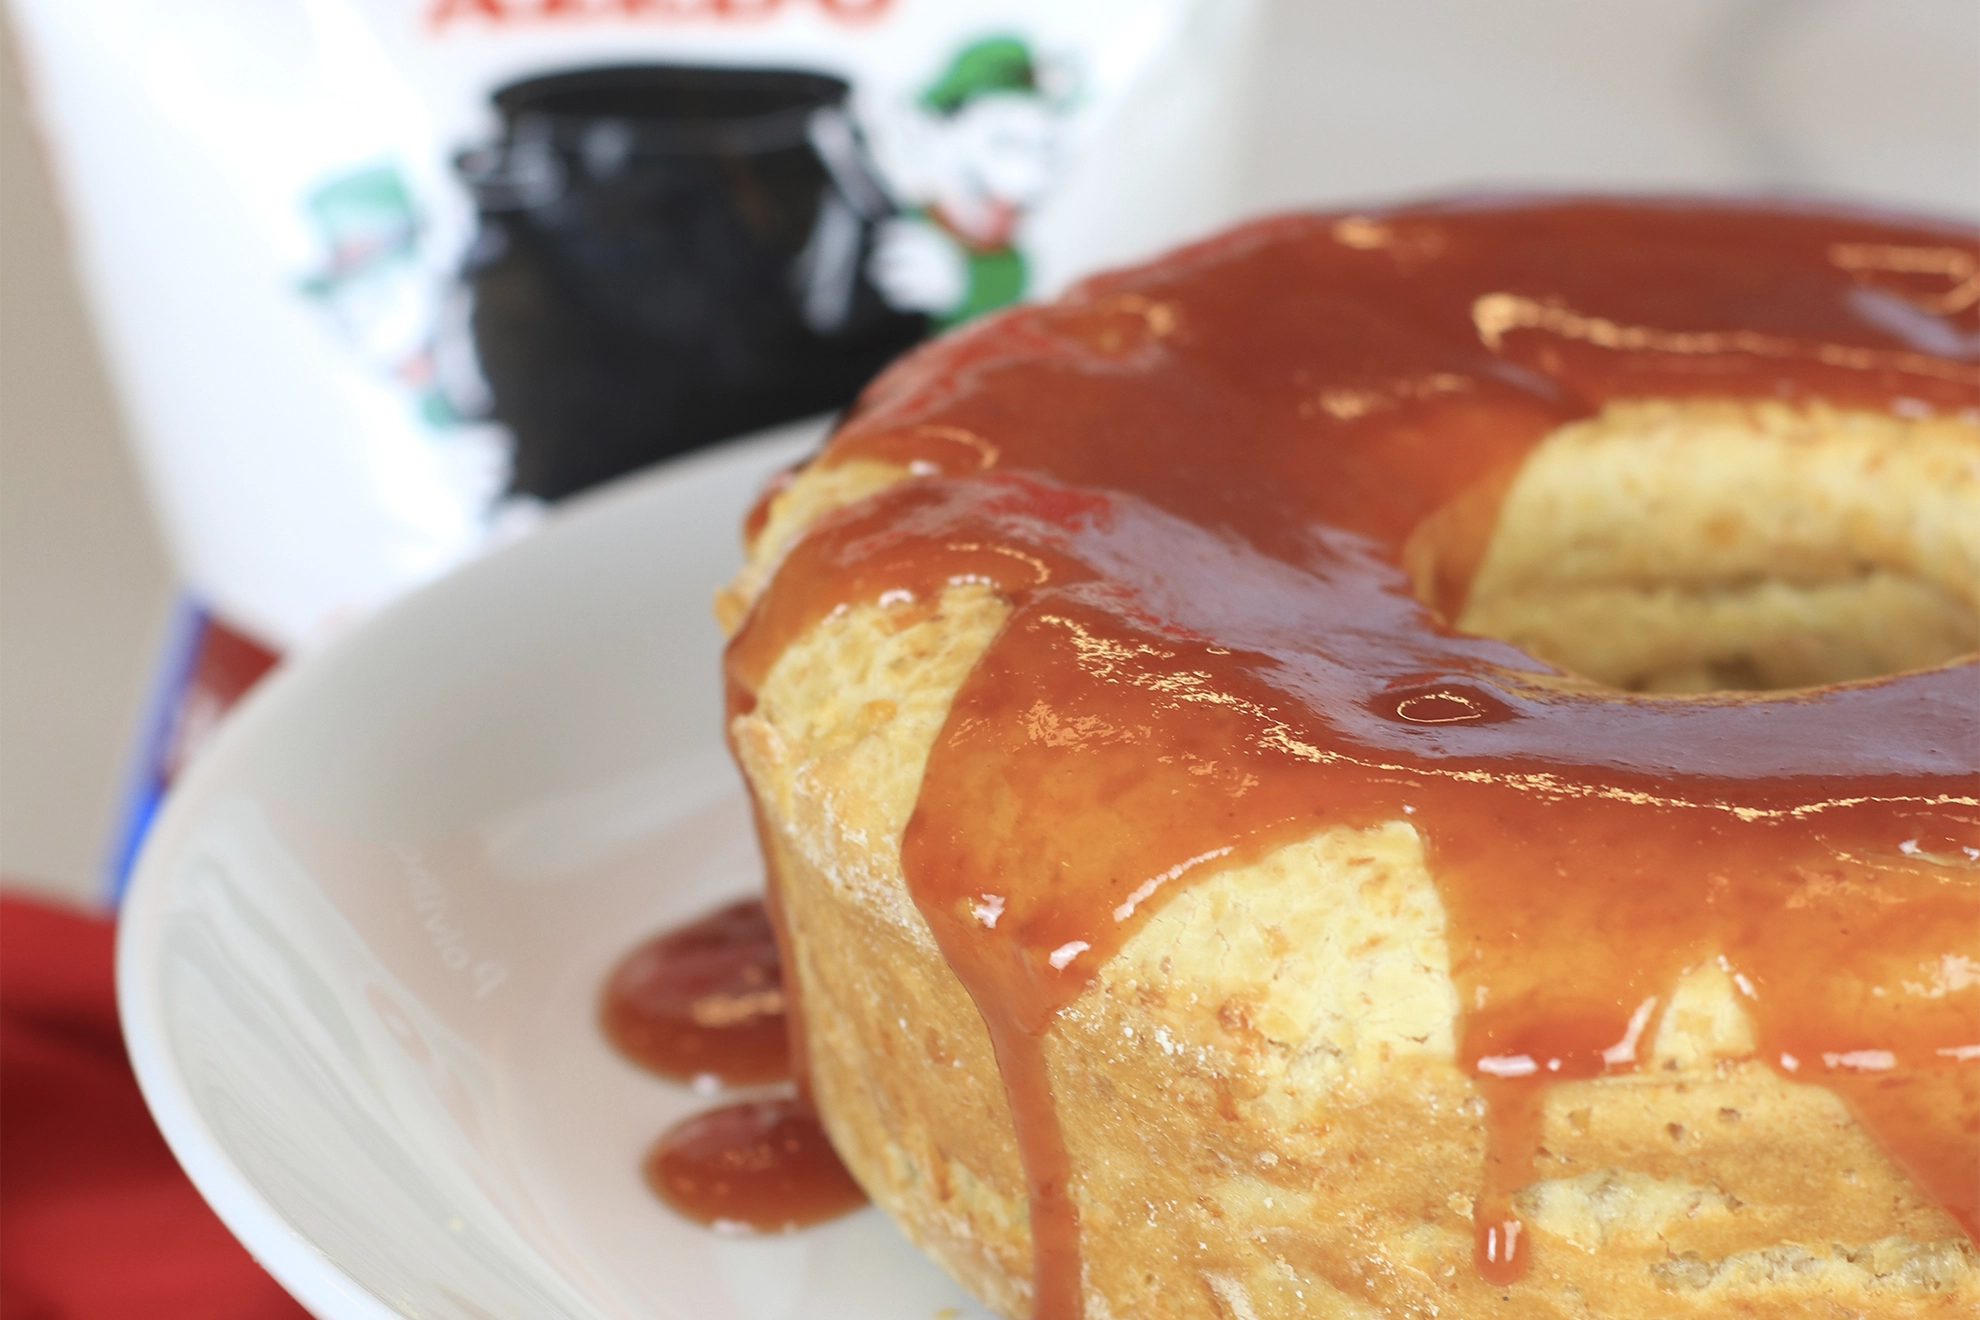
(96, 1220)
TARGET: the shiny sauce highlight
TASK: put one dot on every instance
(761, 1165)
(705, 1003)
(703, 1000)
(1194, 482)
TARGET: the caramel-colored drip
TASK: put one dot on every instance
(708, 1000)
(761, 1164)
(703, 1000)
(1502, 1244)
(1197, 483)
(1929, 1121)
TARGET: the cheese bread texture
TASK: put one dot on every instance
(1260, 1093)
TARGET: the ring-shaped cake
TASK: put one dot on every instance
(1403, 763)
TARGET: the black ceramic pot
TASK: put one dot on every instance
(669, 256)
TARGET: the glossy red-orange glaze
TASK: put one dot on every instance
(1194, 481)
(704, 999)
(1501, 1248)
(762, 1164)
(707, 999)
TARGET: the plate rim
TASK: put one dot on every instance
(309, 1275)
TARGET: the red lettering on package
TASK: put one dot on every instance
(444, 14)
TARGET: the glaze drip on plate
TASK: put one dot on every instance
(1198, 482)
(704, 1002)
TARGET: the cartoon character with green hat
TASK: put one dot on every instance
(375, 284)
(990, 144)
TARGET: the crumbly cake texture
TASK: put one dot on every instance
(1670, 548)
(1260, 1092)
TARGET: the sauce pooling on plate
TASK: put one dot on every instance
(761, 1164)
(1194, 482)
(705, 1001)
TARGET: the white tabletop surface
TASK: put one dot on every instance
(1866, 100)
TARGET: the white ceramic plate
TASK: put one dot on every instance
(359, 960)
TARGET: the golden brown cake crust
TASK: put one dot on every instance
(1260, 1091)
(1404, 764)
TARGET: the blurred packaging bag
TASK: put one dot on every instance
(375, 278)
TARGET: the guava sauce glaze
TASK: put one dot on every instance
(1194, 482)
(705, 1003)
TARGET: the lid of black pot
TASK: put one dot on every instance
(664, 108)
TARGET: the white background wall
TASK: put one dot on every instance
(83, 582)
(1868, 100)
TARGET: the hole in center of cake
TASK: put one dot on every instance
(1704, 547)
